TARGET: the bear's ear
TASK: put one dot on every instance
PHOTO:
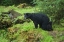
(27, 14)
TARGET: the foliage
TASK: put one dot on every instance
(14, 2)
(7, 2)
(54, 8)
(23, 32)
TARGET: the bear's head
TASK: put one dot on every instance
(27, 15)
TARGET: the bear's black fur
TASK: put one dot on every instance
(41, 19)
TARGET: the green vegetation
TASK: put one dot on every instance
(14, 2)
(54, 8)
(25, 32)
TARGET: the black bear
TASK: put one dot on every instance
(41, 19)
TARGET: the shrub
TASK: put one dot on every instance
(51, 7)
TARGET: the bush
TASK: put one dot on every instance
(6, 2)
(5, 22)
(52, 7)
(14, 2)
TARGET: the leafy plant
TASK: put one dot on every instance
(54, 8)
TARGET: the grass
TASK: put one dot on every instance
(22, 32)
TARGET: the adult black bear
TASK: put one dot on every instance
(41, 19)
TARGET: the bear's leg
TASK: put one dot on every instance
(35, 24)
(40, 25)
(44, 27)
